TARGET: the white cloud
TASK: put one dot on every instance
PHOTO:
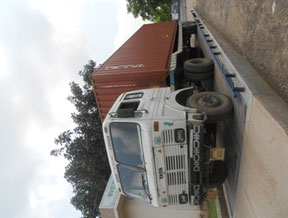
(60, 106)
(127, 24)
(48, 191)
(43, 45)
(33, 66)
(53, 192)
(64, 15)
(17, 99)
(3, 63)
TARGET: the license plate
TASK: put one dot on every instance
(217, 154)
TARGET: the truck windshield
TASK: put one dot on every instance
(126, 141)
(134, 182)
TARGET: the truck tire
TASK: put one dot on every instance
(216, 106)
(199, 65)
(218, 175)
(197, 77)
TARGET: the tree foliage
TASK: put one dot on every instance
(88, 169)
(153, 10)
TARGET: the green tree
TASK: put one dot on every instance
(153, 10)
(88, 169)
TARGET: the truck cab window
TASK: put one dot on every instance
(134, 182)
(126, 142)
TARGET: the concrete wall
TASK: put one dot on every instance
(133, 208)
(258, 30)
(115, 205)
(262, 186)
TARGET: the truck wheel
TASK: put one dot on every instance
(197, 77)
(218, 175)
(216, 106)
(199, 65)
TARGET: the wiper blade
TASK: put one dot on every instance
(144, 187)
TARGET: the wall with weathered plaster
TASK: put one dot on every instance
(258, 30)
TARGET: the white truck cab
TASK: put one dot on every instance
(156, 147)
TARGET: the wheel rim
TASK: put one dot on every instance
(209, 101)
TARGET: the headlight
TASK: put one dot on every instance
(164, 201)
(179, 135)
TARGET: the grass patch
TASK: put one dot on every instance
(212, 212)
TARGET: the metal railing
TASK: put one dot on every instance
(215, 54)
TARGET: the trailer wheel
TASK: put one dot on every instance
(199, 65)
(216, 106)
(197, 77)
(218, 175)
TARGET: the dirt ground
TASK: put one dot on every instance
(258, 29)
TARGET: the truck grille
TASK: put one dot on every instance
(173, 199)
(176, 178)
(168, 137)
(176, 161)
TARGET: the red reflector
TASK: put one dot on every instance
(156, 126)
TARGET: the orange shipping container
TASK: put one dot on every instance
(143, 61)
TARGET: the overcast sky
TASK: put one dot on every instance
(43, 45)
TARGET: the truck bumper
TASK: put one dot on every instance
(196, 162)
